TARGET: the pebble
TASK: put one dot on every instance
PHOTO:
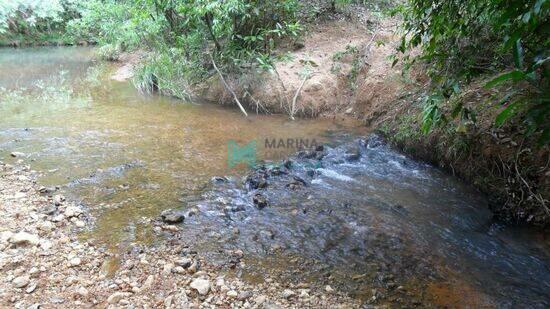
(31, 288)
(244, 295)
(82, 291)
(185, 262)
(58, 199)
(260, 300)
(75, 262)
(201, 285)
(287, 293)
(21, 281)
(117, 297)
(232, 294)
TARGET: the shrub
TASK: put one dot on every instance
(461, 40)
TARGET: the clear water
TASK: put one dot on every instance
(128, 156)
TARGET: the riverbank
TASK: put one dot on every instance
(504, 163)
(41, 39)
(44, 262)
(341, 69)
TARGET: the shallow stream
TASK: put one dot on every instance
(355, 214)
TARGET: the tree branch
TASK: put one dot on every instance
(227, 86)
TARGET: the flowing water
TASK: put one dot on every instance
(355, 214)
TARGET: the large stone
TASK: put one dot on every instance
(259, 200)
(171, 216)
(201, 285)
(24, 239)
(21, 281)
(72, 211)
(353, 154)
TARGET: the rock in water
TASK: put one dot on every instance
(353, 154)
(201, 285)
(259, 200)
(171, 216)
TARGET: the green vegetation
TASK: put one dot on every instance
(462, 40)
(24, 22)
(183, 35)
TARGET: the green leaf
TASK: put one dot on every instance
(512, 75)
(537, 6)
(544, 137)
(456, 110)
(518, 54)
(508, 112)
(526, 17)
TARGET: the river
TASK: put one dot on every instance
(356, 214)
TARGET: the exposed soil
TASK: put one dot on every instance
(339, 67)
(126, 65)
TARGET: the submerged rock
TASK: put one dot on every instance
(219, 180)
(171, 216)
(287, 164)
(276, 171)
(256, 180)
(296, 183)
(374, 141)
(353, 154)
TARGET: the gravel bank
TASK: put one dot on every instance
(45, 265)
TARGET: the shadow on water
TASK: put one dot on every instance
(355, 214)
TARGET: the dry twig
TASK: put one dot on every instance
(227, 86)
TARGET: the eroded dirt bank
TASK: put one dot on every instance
(45, 264)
